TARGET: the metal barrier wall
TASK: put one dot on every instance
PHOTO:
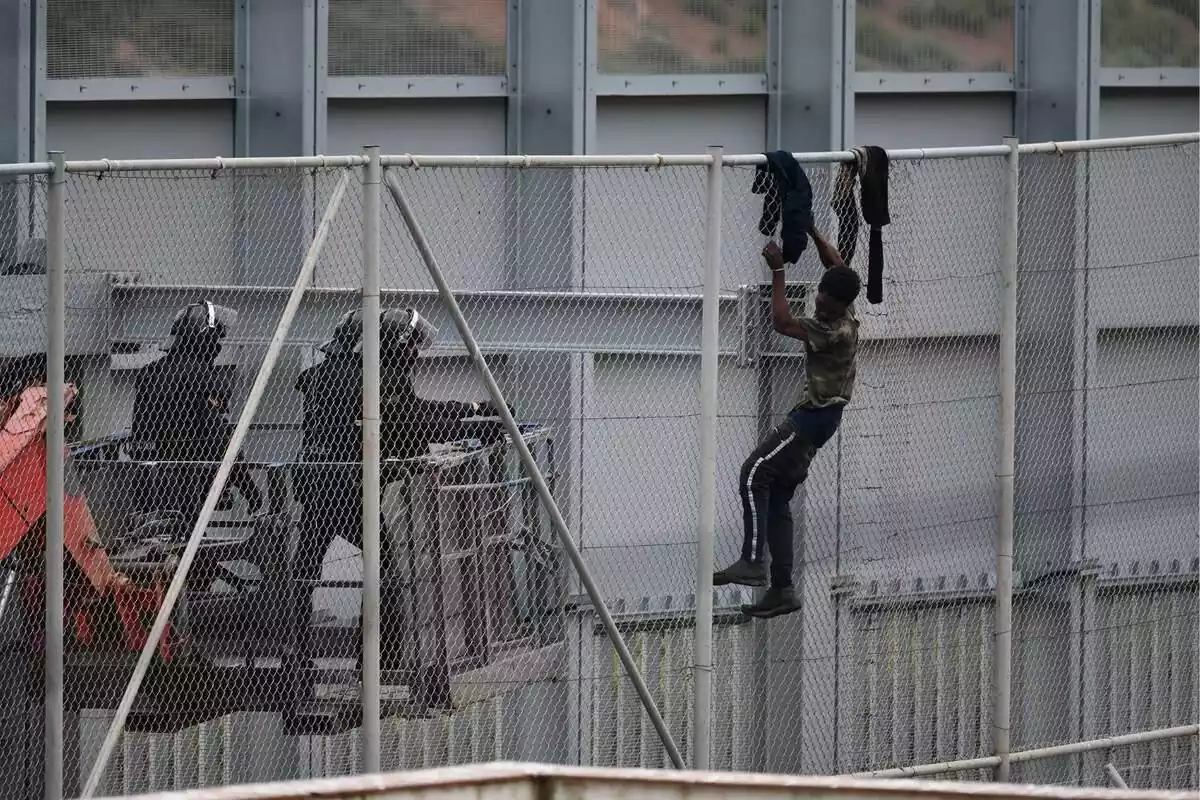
(996, 552)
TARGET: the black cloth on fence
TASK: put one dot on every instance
(788, 200)
(846, 209)
(873, 164)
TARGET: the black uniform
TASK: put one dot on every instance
(328, 478)
(179, 415)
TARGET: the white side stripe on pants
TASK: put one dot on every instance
(750, 495)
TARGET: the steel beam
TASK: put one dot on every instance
(416, 86)
(809, 70)
(504, 321)
(1056, 64)
(806, 74)
(550, 112)
(933, 82)
(16, 138)
(1057, 98)
(22, 732)
(1149, 77)
(277, 56)
(652, 85)
(109, 89)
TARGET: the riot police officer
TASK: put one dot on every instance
(328, 477)
(179, 416)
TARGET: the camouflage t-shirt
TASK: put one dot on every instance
(831, 346)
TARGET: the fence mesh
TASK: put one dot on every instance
(934, 35)
(22, 375)
(1143, 33)
(583, 287)
(668, 37)
(417, 37)
(158, 38)
(893, 532)
(1107, 464)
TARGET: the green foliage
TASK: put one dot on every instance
(906, 53)
(754, 17)
(1149, 33)
(654, 52)
(976, 17)
(1188, 9)
(172, 37)
(410, 43)
(711, 10)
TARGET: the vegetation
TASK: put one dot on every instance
(386, 37)
(1150, 33)
(685, 37)
(88, 39)
(971, 35)
(902, 52)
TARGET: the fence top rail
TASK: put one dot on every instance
(1111, 144)
(216, 164)
(409, 160)
(36, 168)
(553, 780)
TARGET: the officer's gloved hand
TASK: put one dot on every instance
(488, 409)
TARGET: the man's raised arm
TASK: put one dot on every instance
(829, 254)
(781, 316)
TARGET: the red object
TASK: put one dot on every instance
(22, 509)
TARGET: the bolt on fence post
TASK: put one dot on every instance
(702, 669)
(257, 392)
(1005, 468)
(371, 546)
(56, 336)
(535, 473)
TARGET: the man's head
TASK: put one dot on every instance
(838, 288)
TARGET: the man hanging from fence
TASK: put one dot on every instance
(328, 479)
(780, 462)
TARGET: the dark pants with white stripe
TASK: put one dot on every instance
(768, 482)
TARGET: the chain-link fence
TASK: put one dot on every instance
(1107, 458)
(22, 368)
(211, 334)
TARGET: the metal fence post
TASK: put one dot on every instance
(1006, 459)
(703, 648)
(56, 336)
(371, 730)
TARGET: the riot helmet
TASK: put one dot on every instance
(403, 327)
(199, 328)
(398, 329)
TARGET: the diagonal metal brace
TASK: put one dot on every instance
(535, 473)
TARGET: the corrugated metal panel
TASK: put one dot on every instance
(917, 677)
(1144, 645)
(914, 677)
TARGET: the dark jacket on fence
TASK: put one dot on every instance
(788, 200)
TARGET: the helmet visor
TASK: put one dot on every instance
(198, 320)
